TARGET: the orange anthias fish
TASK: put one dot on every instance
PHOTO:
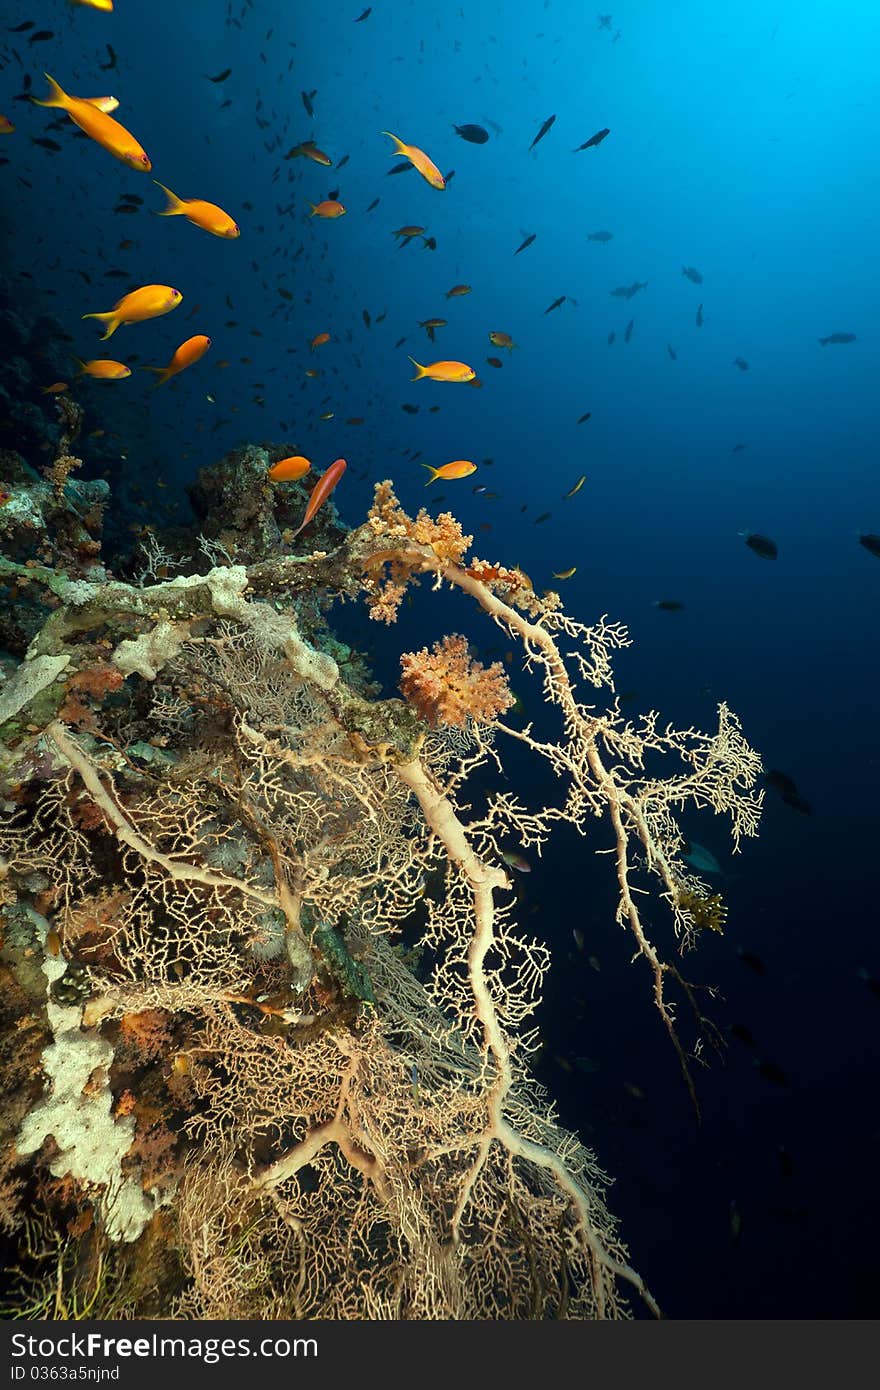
(288, 470)
(98, 126)
(319, 340)
(459, 468)
(105, 104)
(205, 215)
(6, 126)
(325, 485)
(184, 356)
(103, 369)
(457, 291)
(56, 388)
(311, 151)
(329, 208)
(149, 302)
(419, 160)
(105, 6)
(443, 371)
(503, 340)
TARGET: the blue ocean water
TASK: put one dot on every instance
(741, 144)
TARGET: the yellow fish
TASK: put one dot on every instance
(443, 371)
(577, 487)
(103, 369)
(288, 470)
(419, 160)
(329, 208)
(566, 574)
(97, 125)
(319, 340)
(459, 468)
(205, 215)
(149, 302)
(105, 6)
(6, 126)
(184, 356)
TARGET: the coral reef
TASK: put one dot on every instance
(222, 856)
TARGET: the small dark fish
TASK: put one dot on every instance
(669, 605)
(373, 204)
(410, 409)
(600, 236)
(41, 36)
(429, 242)
(494, 361)
(628, 291)
(365, 15)
(738, 448)
(528, 241)
(741, 363)
(593, 140)
(691, 273)
(474, 134)
(611, 336)
(795, 802)
(871, 543)
(307, 101)
(543, 131)
(699, 319)
(629, 330)
(365, 315)
(762, 545)
(555, 305)
(672, 353)
(545, 516)
(400, 168)
(753, 962)
(872, 983)
(771, 1072)
(838, 338)
(584, 418)
(780, 782)
(786, 1162)
(131, 198)
(605, 21)
(45, 142)
(742, 1034)
(221, 76)
(343, 161)
(21, 28)
(125, 207)
(113, 59)
(333, 195)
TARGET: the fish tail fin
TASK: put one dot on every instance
(162, 374)
(400, 147)
(314, 208)
(174, 204)
(420, 370)
(80, 364)
(434, 472)
(57, 95)
(110, 321)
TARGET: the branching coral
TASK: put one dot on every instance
(363, 1143)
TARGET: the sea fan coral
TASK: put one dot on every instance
(447, 687)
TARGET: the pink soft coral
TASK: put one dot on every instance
(447, 687)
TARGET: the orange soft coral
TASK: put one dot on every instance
(447, 687)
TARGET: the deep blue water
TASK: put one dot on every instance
(742, 142)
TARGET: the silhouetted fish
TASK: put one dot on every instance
(838, 338)
(474, 134)
(543, 131)
(761, 545)
(593, 140)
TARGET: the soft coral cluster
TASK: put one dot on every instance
(447, 687)
(386, 518)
